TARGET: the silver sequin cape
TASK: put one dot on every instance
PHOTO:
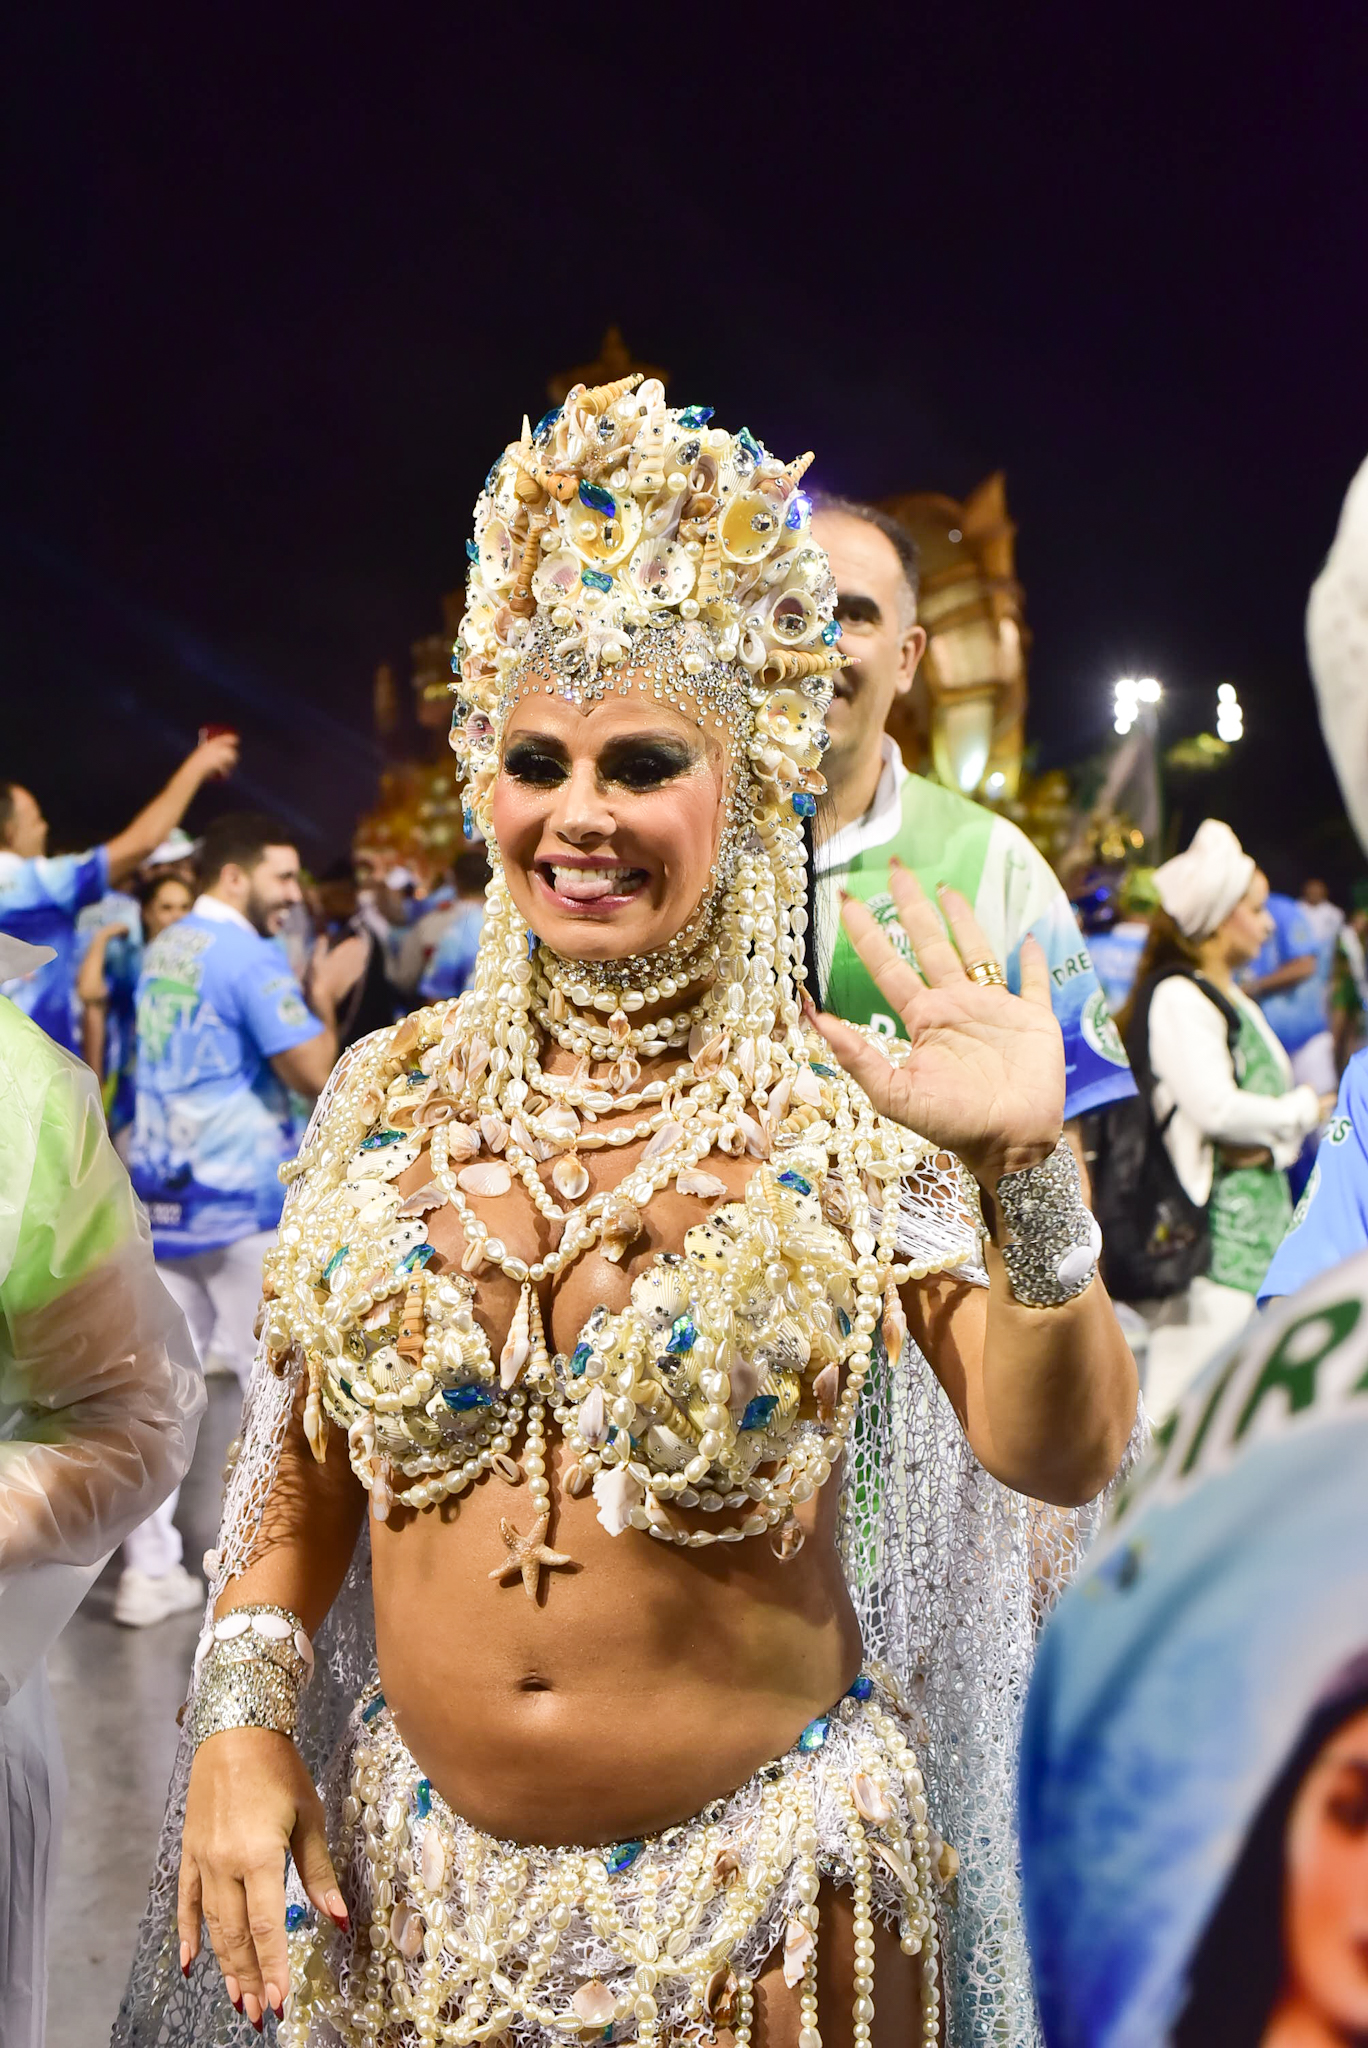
(951, 1574)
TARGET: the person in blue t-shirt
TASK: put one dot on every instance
(1290, 981)
(1331, 1220)
(41, 897)
(448, 973)
(223, 1036)
(110, 936)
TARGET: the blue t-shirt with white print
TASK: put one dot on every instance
(1301, 1013)
(122, 966)
(1331, 1220)
(40, 901)
(452, 967)
(216, 1003)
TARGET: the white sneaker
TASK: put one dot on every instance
(141, 1600)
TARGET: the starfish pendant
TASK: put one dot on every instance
(528, 1554)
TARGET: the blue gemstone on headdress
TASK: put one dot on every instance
(468, 821)
(373, 1707)
(863, 1688)
(335, 1261)
(579, 1359)
(621, 1857)
(695, 415)
(815, 1734)
(472, 552)
(461, 1399)
(531, 944)
(831, 632)
(378, 1138)
(421, 1255)
(820, 1067)
(683, 1335)
(295, 1916)
(545, 423)
(796, 1181)
(843, 1322)
(804, 804)
(598, 500)
(595, 579)
(745, 439)
(799, 511)
(759, 1410)
(422, 1798)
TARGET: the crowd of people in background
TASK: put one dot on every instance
(1240, 1008)
(211, 984)
(1237, 1029)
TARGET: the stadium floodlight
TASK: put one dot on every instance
(1229, 716)
(1128, 694)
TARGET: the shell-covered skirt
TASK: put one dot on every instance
(456, 1937)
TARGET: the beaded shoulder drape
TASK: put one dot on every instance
(950, 1573)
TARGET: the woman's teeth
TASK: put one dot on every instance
(584, 885)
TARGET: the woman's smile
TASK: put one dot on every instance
(584, 885)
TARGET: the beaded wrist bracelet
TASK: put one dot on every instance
(251, 1673)
(1051, 1254)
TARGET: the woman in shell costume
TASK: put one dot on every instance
(628, 1726)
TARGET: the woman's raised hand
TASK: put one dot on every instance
(984, 1076)
(250, 1799)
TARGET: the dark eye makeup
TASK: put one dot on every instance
(638, 764)
(644, 764)
(533, 761)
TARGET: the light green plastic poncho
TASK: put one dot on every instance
(100, 1399)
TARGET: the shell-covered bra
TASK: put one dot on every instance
(730, 1378)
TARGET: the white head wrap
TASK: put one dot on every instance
(1201, 887)
(1337, 645)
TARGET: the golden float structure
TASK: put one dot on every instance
(963, 721)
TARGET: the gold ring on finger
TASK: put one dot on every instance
(986, 973)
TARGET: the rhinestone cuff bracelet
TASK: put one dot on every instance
(254, 1668)
(1052, 1252)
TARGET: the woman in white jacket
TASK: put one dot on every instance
(1222, 1089)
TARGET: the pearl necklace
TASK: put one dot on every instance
(692, 1395)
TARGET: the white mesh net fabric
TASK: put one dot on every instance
(950, 1573)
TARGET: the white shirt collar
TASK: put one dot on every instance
(219, 912)
(880, 822)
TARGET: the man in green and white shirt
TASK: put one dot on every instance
(880, 810)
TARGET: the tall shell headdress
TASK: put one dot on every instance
(620, 527)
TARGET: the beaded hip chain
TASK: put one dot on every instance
(459, 1938)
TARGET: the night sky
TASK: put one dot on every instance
(284, 291)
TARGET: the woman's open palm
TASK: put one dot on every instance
(984, 1073)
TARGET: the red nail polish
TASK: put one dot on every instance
(237, 2005)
